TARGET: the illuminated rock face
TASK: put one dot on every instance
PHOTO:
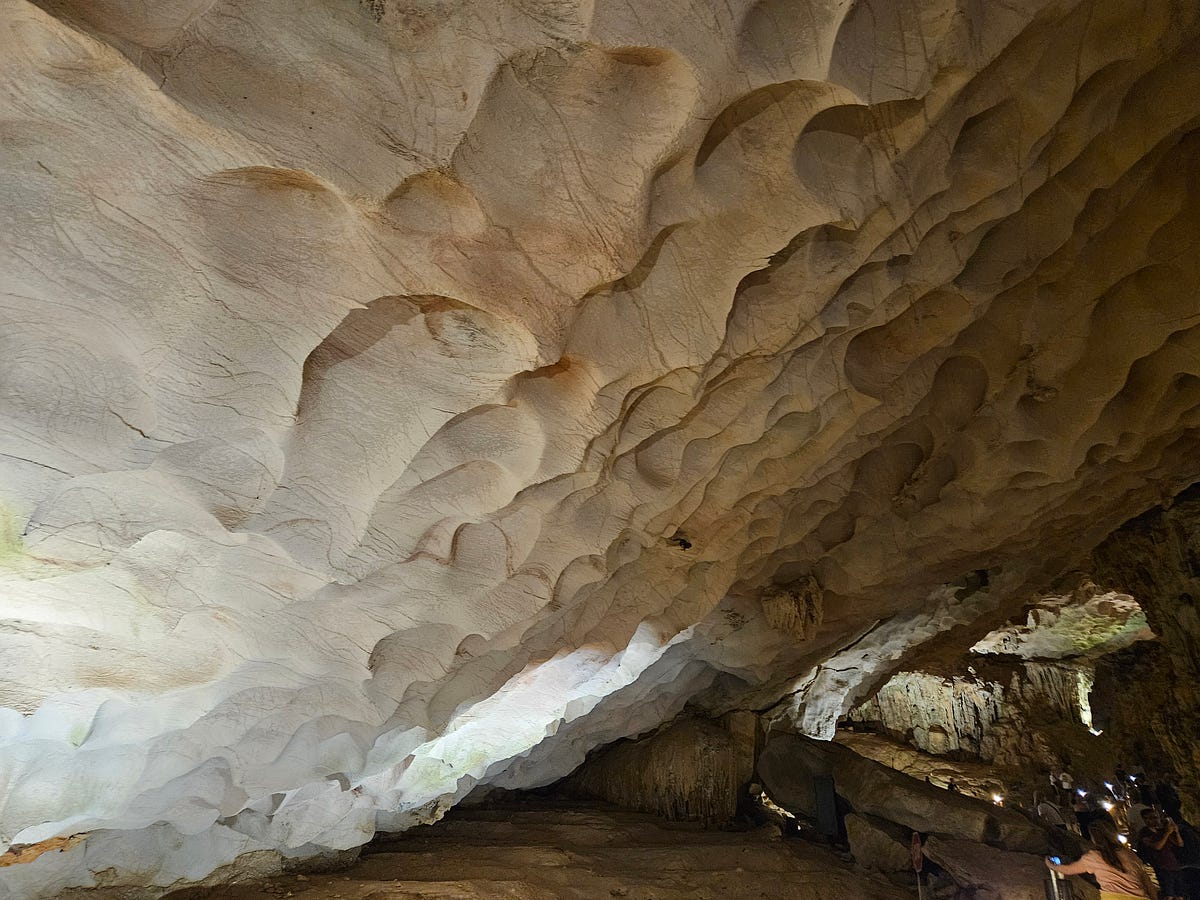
(1021, 697)
(1013, 716)
(401, 397)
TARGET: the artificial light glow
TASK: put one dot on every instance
(1123, 838)
(773, 806)
(1108, 784)
(997, 799)
(1107, 805)
(1081, 792)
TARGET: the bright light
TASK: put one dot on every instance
(1108, 784)
(1081, 792)
(1123, 838)
(1107, 805)
(1133, 778)
(772, 805)
(997, 799)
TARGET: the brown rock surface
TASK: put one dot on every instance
(692, 770)
(585, 852)
(1024, 717)
(1151, 697)
(977, 779)
(788, 763)
(992, 874)
(878, 844)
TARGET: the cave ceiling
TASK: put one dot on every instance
(403, 397)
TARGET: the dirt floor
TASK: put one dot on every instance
(548, 851)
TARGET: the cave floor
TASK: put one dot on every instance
(549, 851)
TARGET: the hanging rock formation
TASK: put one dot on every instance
(1022, 697)
(402, 398)
(691, 771)
(995, 720)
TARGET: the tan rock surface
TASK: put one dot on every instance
(789, 763)
(979, 780)
(402, 397)
(1013, 714)
(690, 771)
(578, 854)
(992, 874)
(877, 844)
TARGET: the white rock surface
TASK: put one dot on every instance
(364, 369)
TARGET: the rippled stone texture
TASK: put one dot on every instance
(399, 397)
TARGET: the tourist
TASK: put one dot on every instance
(1067, 784)
(1051, 815)
(1085, 811)
(1157, 843)
(1117, 869)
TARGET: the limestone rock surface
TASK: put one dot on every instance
(977, 779)
(1151, 695)
(691, 771)
(585, 852)
(1087, 622)
(989, 873)
(789, 762)
(878, 844)
(400, 397)
(1009, 714)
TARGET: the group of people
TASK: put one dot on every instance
(1164, 841)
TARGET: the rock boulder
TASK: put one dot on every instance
(789, 763)
(878, 844)
(984, 869)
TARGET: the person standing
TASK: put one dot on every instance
(1157, 843)
(1117, 869)
(1085, 812)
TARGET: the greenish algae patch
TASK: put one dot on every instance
(15, 558)
(1095, 631)
(12, 548)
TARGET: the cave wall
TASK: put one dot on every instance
(692, 770)
(1150, 698)
(1012, 714)
(398, 398)
(1131, 703)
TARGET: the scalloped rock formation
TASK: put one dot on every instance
(413, 395)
